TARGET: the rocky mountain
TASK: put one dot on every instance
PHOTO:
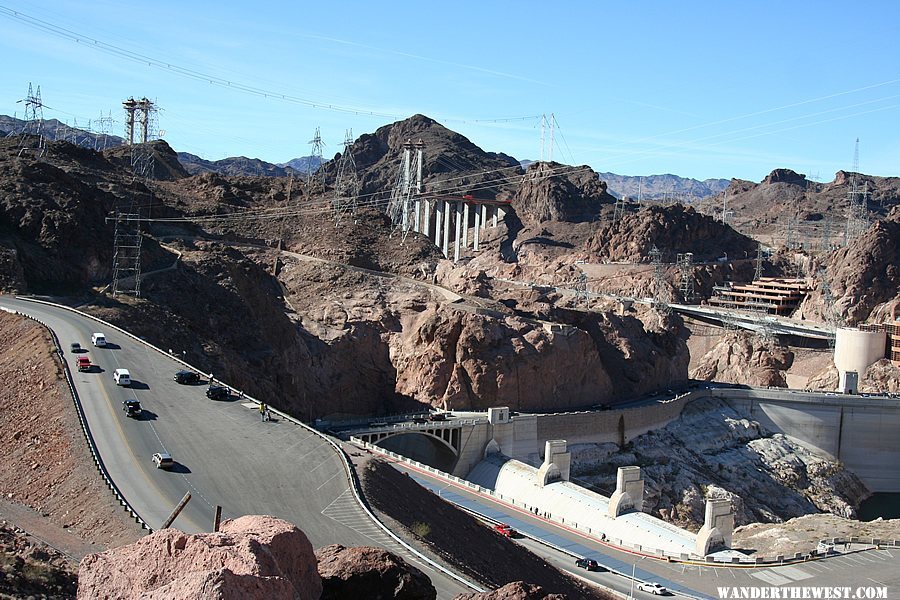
(235, 165)
(54, 130)
(662, 187)
(453, 165)
(304, 164)
(818, 210)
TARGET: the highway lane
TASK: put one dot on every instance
(225, 455)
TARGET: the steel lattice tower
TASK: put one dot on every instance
(346, 184)
(34, 123)
(660, 297)
(685, 266)
(317, 149)
(127, 254)
(857, 200)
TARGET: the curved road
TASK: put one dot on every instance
(224, 454)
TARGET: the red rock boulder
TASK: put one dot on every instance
(517, 590)
(252, 557)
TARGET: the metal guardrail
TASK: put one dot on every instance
(350, 473)
(92, 446)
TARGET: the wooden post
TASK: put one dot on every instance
(177, 511)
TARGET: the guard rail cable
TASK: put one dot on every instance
(92, 446)
(350, 473)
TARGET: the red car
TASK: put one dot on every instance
(84, 363)
(505, 530)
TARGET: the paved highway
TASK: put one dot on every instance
(224, 454)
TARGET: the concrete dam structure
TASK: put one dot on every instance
(862, 432)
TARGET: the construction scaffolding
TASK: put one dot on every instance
(400, 206)
(767, 294)
(140, 113)
(127, 254)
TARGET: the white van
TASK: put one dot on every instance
(98, 339)
(122, 377)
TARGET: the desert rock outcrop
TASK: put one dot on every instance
(517, 590)
(367, 572)
(251, 557)
(745, 358)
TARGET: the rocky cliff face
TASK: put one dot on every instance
(880, 376)
(554, 192)
(742, 357)
(714, 450)
(862, 275)
(674, 229)
(516, 590)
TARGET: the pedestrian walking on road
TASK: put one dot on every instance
(262, 411)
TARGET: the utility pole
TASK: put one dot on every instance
(346, 183)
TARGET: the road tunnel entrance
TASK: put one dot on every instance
(423, 448)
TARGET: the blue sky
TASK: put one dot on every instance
(698, 89)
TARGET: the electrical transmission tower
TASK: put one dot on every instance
(760, 255)
(619, 210)
(660, 295)
(346, 184)
(127, 254)
(829, 313)
(825, 243)
(316, 156)
(857, 200)
(725, 211)
(34, 124)
(686, 268)
(105, 124)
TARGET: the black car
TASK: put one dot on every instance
(217, 392)
(187, 377)
(132, 408)
(588, 563)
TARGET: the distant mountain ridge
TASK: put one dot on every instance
(659, 187)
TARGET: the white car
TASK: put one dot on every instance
(99, 340)
(163, 460)
(122, 377)
(653, 588)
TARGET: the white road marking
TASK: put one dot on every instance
(329, 479)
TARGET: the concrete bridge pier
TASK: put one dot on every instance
(438, 216)
(445, 247)
(484, 216)
(477, 227)
(465, 229)
(417, 224)
(457, 227)
(629, 492)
